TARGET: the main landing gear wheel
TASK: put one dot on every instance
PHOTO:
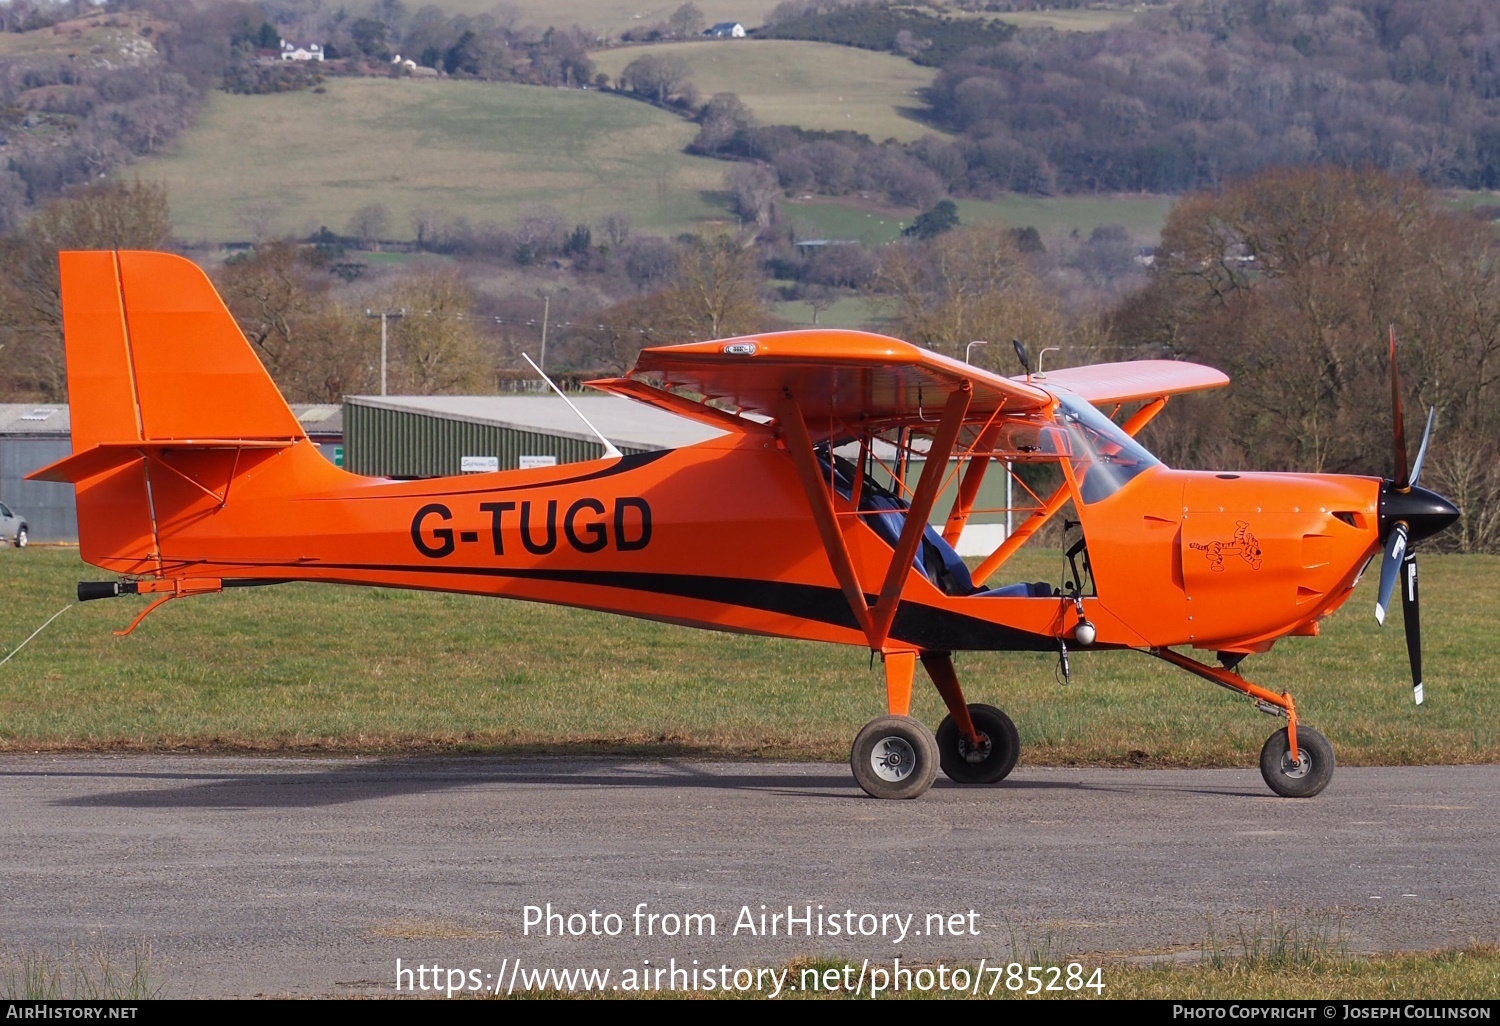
(1305, 777)
(989, 762)
(894, 757)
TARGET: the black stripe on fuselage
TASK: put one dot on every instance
(927, 627)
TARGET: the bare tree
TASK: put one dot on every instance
(687, 21)
(722, 117)
(755, 190)
(658, 79)
(114, 215)
(369, 223)
(616, 228)
(424, 221)
(259, 219)
(968, 283)
(820, 298)
(436, 348)
(1289, 281)
(715, 292)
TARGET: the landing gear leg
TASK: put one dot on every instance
(977, 744)
(1297, 761)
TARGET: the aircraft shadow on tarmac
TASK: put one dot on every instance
(393, 778)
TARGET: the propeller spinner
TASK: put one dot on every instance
(1407, 515)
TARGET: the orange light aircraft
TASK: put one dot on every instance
(799, 520)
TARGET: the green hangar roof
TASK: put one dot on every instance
(429, 436)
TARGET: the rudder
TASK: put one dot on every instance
(155, 361)
(196, 375)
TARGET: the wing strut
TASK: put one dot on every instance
(1056, 501)
(1140, 418)
(934, 469)
(794, 429)
(875, 622)
(968, 489)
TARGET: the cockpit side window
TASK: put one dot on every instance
(1104, 458)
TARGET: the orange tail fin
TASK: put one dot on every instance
(157, 370)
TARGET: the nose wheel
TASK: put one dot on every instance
(1300, 777)
(894, 757)
(1304, 776)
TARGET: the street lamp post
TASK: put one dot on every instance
(383, 315)
(546, 309)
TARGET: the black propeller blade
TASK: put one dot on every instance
(1411, 612)
(1407, 515)
(1395, 552)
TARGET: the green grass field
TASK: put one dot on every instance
(1460, 974)
(304, 667)
(1295, 974)
(611, 17)
(485, 151)
(99, 40)
(789, 82)
(1142, 215)
(1052, 216)
(848, 312)
(831, 219)
(1088, 19)
(1471, 973)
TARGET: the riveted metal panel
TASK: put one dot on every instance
(47, 506)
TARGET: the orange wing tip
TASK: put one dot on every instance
(1133, 380)
(111, 455)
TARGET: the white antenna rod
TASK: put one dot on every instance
(609, 447)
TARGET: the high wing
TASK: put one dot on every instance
(856, 377)
(844, 380)
(1135, 380)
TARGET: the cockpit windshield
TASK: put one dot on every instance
(1104, 457)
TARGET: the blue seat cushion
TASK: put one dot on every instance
(935, 558)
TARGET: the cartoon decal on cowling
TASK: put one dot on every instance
(1243, 544)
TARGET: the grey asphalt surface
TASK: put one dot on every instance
(301, 876)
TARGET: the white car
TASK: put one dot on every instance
(13, 527)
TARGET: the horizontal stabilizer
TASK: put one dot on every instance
(110, 455)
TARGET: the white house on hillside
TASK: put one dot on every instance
(726, 30)
(294, 52)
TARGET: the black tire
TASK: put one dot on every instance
(1302, 780)
(997, 757)
(894, 757)
(22, 537)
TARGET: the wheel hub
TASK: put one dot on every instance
(893, 759)
(1297, 769)
(975, 753)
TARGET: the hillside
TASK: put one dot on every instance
(609, 17)
(486, 151)
(790, 82)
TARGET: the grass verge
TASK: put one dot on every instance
(68, 974)
(310, 668)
